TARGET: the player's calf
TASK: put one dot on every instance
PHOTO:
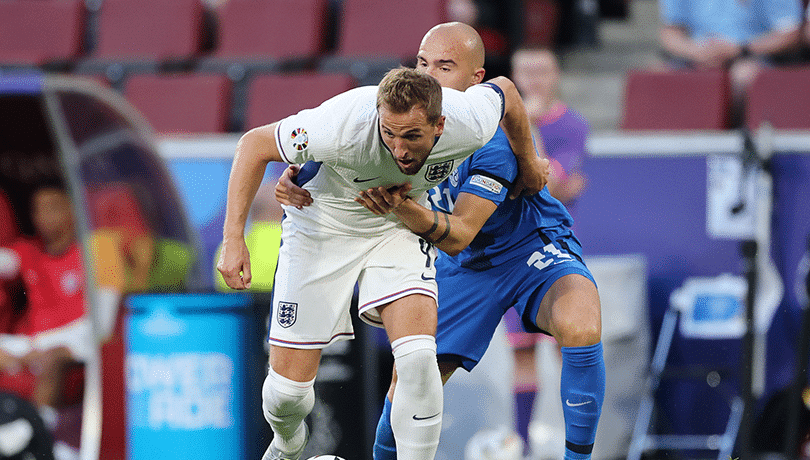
(416, 409)
(285, 404)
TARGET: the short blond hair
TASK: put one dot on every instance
(402, 89)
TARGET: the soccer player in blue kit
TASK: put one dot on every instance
(498, 253)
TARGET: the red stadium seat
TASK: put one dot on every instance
(386, 28)
(273, 97)
(540, 21)
(261, 30)
(33, 33)
(149, 30)
(780, 96)
(184, 103)
(676, 100)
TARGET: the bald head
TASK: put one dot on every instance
(453, 53)
(460, 36)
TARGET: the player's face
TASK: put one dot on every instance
(536, 74)
(51, 214)
(447, 62)
(409, 137)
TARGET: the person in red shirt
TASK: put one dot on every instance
(41, 353)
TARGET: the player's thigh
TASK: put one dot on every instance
(570, 311)
(410, 315)
(296, 364)
(399, 271)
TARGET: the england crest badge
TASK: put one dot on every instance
(438, 171)
(287, 313)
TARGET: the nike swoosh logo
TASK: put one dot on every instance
(358, 180)
(428, 278)
(426, 418)
(570, 404)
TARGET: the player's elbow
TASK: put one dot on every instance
(507, 86)
(453, 247)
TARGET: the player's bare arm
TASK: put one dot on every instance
(451, 233)
(533, 169)
(255, 149)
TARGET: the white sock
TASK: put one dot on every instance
(416, 409)
(285, 404)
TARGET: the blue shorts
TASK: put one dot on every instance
(472, 302)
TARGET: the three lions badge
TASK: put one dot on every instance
(439, 171)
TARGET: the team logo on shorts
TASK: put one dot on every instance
(287, 313)
(437, 172)
(300, 140)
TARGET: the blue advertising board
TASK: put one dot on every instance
(186, 363)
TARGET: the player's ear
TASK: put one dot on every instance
(478, 76)
(440, 126)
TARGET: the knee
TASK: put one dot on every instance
(282, 397)
(415, 358)
(578, 333)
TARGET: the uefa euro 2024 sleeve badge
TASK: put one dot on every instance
(300, 140)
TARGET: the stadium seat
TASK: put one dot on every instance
(540, 21)
(149, 30)
(373, 28)
(183, 103)
(779, 96)
(271, 31)
(676, 100)
(34, 33)
(273, 97)
(374, 36)
(116, 209)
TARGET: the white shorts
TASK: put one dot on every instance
(316, 276)
(77, 336)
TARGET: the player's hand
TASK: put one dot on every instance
(290, 194)
(533, 173)
(382, 200)
(234, 263)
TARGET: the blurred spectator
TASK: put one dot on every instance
(263, 238)
(579, 23)
(41, 354)
(742, 35)
(563, 131)
(484, 19)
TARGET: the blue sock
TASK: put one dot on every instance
(582, 388)
(385, 447)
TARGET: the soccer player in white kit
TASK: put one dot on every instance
(407, 132)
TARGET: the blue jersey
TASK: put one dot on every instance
(489, 173)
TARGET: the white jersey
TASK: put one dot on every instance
(343, 135)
